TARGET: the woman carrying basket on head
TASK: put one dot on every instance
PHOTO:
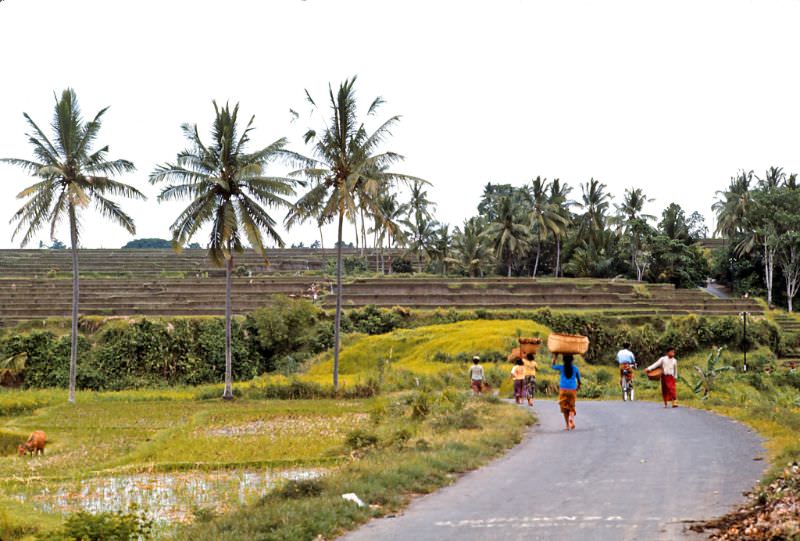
(569, 384)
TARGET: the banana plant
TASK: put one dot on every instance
(707, 377)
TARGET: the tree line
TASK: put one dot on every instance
(348, 177)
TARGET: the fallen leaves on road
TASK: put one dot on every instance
(773, 513)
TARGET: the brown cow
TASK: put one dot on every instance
(34, 445)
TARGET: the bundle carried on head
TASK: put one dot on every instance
(529, 345)
(575, 344)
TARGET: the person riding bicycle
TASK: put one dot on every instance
(626, 360)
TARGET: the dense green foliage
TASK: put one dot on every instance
(190, 351)
(85, 526)
(151, 243)
(760, 221)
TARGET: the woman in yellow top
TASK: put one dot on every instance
(518, 375)
(529, 366)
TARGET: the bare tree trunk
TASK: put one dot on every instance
(73, 353)
(228, 393)
(338, 317)
(769, 268)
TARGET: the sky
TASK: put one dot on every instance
(670, 96)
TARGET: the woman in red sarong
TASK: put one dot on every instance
(669, 371)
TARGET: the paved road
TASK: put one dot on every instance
(630, 471)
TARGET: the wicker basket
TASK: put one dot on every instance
(575, 344)
(514, 356)
(529, 345)
(655, 374)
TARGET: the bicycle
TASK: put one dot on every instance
(626, 381)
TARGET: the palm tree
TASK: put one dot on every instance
(310, 211)
(72, 176)
(594, 204)
(388, 224)
(419, 220)
(633, 223)
(543, 215)
(349, 172)
(228, 188)
(420, 234)
(732, 205)
(470, 246)
(774, 178)
(560, 203)
(508, 234)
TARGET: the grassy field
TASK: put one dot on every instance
(275, 469)
(186, 456)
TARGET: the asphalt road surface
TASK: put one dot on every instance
(630, 471)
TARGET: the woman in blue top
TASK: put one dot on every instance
(568, 385)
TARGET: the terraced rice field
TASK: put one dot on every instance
(33, 286)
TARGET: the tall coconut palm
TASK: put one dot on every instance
(594, 203)
(773, 178)
(72, 175)
(543, 215)
(470, 248)
(561, 204)
(508, 234)
(632, 222)
(228, 188)
(419, 221)
(310, 211)
(733, 204)
(388, 225)
(349, 171)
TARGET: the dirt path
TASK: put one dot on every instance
(629, 471)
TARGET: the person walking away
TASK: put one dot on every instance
(568, 387)
(518, 375)
(529, 364)
(476, 375)
(669, 373)
(625, 358)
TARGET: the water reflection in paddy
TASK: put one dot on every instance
(163, 497)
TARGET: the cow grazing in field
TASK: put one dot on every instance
(34, 445)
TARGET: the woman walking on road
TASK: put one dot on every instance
(518, 375)
(476, 375)
(569, 385)
(530, 376)
(669, 372)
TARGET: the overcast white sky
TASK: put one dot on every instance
(670, 96)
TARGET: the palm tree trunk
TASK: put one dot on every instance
(73, 353)
(558, 255)
(322, 249)
(363, 234)
(228, 393)
(538, 253)
(338, 317)
(509, 265)
(390, 253)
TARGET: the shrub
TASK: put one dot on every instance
(360, 439)
(300, 488)
(101, 527)
(371, 320)
(402, 265)
(399, 438)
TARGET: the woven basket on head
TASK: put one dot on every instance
(575, 344)
(529, 345)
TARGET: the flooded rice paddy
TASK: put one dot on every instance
(164, 498)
